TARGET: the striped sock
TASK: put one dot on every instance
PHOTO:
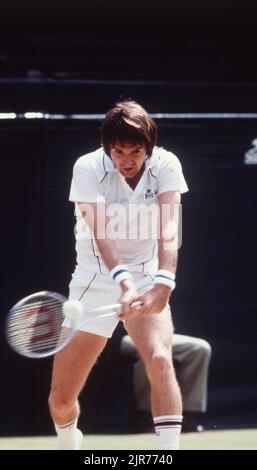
(68, 436)
(168, 429)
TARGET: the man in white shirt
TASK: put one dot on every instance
(126, 195)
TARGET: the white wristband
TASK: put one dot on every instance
(120, 273)
(166, 278)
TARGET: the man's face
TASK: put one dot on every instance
(128, 158)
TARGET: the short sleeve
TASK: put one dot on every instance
(85, 186)
(170, 175)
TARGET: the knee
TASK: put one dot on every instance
(58, 403)
(159, 366)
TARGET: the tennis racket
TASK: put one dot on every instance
(34, 325)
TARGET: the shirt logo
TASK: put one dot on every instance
(149, 193)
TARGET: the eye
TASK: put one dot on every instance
(119, 152)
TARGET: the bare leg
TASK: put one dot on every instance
(152, 335)
(71, 368)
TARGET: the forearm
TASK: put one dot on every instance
(94, 216)
(109, 252)
(112, 258)
(167, 245)
(169, 228)
(167, 258)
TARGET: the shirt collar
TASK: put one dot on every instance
(108, 163)
(151, 162)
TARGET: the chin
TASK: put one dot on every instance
(128, 175)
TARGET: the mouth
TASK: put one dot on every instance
(128, 170)
(128, 173)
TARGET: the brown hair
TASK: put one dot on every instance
(128, 122)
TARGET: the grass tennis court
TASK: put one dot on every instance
(243, 439)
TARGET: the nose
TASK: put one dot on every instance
(127, 161)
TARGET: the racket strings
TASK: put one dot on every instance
(36, 326)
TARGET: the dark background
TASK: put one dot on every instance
(173, 57)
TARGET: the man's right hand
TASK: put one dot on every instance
(129, 293)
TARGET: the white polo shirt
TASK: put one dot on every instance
(133, 212)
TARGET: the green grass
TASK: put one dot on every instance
(245, 439)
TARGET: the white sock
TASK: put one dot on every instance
(68, 436)
(168, 429)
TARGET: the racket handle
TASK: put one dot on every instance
(105, 308)
(114, 307)
(136, 303)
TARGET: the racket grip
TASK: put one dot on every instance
(136, 303)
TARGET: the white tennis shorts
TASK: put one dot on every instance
(99, 290)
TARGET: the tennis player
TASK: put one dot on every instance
(127, 196)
